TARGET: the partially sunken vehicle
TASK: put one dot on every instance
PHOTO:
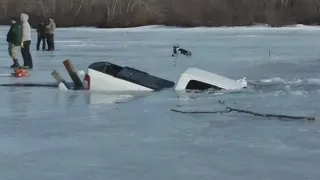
(105, 76)
(197, 79)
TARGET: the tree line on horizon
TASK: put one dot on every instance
(186, 13)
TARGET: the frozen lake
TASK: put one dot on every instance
(47, 134)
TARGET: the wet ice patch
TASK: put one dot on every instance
(270, 80)
(294, 86)
(252, 36)
(299, 93)
(295, 81)
(103, 98)
(292, 81)
(313, 81)
(67, 41)
(85, 45)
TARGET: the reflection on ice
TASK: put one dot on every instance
(113, 97)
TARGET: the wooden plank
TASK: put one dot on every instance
(73, 74)
(59, 79)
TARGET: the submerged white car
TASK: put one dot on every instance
(105, 76)
(197, 79)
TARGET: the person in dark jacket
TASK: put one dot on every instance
(41, 32)
(14, 42)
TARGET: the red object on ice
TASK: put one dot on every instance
(21, 72)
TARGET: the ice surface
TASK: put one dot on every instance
(49, 134)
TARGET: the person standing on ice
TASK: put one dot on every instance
(14, 41)
(26, 41)
(41, 32)
(51, 27)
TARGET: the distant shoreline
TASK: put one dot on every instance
(187, 27)
(172, 13)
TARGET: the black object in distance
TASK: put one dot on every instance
(176, 49)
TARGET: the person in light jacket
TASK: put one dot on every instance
(51, 27)
(26, 41)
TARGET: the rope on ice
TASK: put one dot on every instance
(230, 109)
